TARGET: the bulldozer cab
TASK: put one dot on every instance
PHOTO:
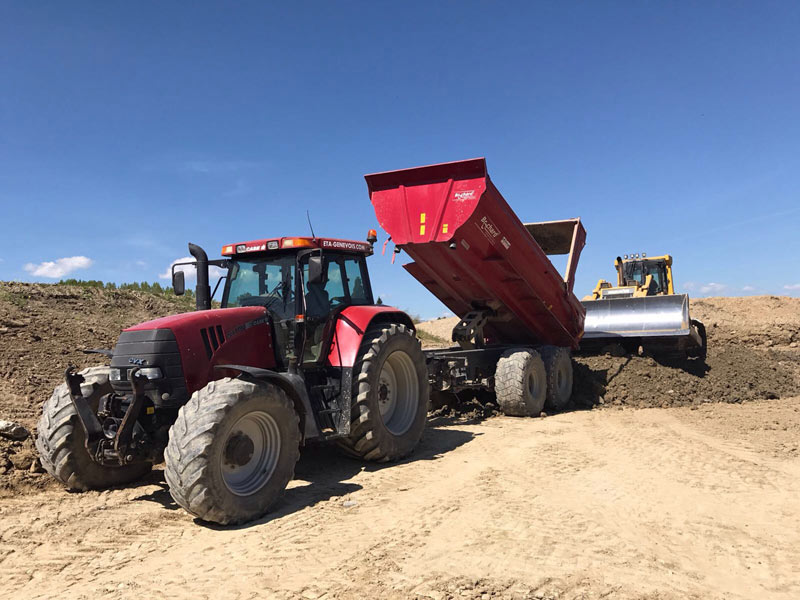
(652, 275)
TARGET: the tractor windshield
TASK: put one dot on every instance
(268, 282)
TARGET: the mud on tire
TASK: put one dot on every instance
(61, 439)
(520, 383)
(390, 395)
(232, 450)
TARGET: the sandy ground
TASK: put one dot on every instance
(698, 498)
(655, 503)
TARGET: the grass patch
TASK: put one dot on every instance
(430, 338)
(15, 298)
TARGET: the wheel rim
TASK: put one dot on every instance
(250, 453)
(398, 392)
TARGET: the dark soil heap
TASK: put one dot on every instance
(753, 354)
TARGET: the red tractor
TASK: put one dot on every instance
(298, 351)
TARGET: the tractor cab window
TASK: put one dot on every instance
(268, 283)
(355, 280)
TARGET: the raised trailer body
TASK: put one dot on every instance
(474, 254)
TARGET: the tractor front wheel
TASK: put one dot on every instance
(232, 450)
(61, 440)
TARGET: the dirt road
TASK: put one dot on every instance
(657, 503)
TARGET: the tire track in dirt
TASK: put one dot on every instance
(626, 503)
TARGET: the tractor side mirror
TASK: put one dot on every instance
(178, 283)
(315, 272)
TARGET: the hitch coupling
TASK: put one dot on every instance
(107, 447)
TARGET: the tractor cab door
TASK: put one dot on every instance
(344, 283)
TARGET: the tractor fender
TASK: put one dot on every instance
(351, 325)
(294, 387)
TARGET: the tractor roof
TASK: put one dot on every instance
(291, 243)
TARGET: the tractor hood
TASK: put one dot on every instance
(188, 346)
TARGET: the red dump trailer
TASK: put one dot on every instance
(519, 318)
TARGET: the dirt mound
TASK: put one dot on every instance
(753, 353)
(754, 321)
(731, 373)
(43, 328)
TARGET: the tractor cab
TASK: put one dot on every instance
(299, 281)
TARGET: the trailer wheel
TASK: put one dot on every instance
(558, 366)
(61, 440)
(390, 391)
(520, 383)
(232, 450)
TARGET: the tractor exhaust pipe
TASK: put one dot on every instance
(203, 291)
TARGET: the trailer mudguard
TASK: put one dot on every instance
(351, 325)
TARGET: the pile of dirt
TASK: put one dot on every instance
(20, 467)
(757, 321)
(44, 328)
(732, 373)
(753, 353)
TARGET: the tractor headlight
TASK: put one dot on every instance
(115, 375)
(151, 372)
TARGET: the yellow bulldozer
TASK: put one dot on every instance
(643, 310)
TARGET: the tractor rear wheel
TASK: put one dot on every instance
(232, 450)
(390, 392)
(520, 383)
(61, 440)
(558, 366)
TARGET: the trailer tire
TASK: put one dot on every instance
(520, 383)
(390, 392)
(558, 366)
(60, 439)
(232, 450)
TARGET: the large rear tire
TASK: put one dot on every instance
(232, 450)
(390, 391)
(520, 383)
(61, 440)
(558, 367)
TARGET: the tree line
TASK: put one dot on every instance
(137, 286)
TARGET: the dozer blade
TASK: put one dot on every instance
(655, 320)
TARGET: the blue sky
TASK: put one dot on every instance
(128, 129)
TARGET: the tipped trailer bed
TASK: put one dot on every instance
(519, 318)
